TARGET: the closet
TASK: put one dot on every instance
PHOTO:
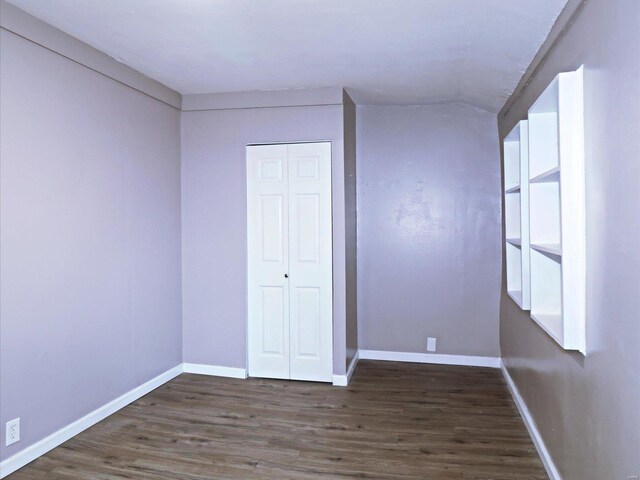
(290, 287)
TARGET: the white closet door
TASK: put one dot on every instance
(310, 262)
(268, 251)
(290, 261)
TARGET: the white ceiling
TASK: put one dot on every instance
(382, 51)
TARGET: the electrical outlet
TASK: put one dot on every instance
(13, 432)
(431, 344)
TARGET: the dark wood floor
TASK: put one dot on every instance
(394, 421)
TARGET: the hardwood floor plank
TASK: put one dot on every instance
(395, 421)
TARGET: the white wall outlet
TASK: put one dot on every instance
(13, 431)
(431, 344)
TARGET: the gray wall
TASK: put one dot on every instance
(351, 241)
(89, 234)
(588, 408)
(428, 229)
(214, 214)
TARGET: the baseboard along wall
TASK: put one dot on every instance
(214, 370)
(436, 358)
(343, 380)
(530, 423)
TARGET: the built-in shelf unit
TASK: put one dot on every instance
(516, 201)
(557, 211)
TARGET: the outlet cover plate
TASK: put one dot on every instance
(431, 344)
(12, 432)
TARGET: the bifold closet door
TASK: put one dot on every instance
(268, 250)
(290, 261)
(310, 262)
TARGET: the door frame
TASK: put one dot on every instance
(246, 245)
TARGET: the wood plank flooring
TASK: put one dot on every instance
(395, 421)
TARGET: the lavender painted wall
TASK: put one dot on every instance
(428, 229)
(90, 238)
(588, 408)
(214, 218)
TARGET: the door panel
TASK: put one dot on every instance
(271, 228)
(306, 309)
(272, 310)
(268, 255)
(308, 229)
(310, 264)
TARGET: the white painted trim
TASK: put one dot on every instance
(298, 97)
(340, 381)
(530, 423)
(343, 380)
(438, 358)
(41, 447)
(214, 370)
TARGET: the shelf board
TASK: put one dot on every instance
(514, 189)
(551, 248)
(551, 323)
(516, 295)
(516, 242)
(551, 175)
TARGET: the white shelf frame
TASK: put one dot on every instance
(516, 200)
(557, 211)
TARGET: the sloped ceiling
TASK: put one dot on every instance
(382, 51)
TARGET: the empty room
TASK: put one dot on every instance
(320, 239)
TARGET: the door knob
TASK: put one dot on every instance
(286, 275)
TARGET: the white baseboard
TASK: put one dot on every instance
(530, 423)
(438, 358)
(214, 370)
(343, 380)
(34, 451)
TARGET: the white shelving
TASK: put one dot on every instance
(556, 211)
(516, 201)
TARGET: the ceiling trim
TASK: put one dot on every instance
(302, 97)
(20, 23)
